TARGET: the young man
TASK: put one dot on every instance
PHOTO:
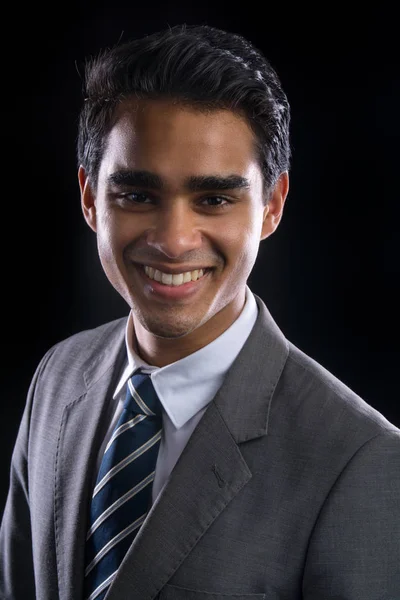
(190, 451)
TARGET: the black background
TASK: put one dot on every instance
(329, 274)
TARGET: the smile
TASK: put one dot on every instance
(175, 279)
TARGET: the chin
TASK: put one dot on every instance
(166, 331)
(167, 328)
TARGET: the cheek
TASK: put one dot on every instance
(241, 243)
(110, 253)
(113, 236)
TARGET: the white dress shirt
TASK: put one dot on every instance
(184, 387)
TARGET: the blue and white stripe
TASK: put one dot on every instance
(122, 495)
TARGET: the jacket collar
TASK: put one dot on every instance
(254, 374)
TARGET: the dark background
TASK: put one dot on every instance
(329, 274)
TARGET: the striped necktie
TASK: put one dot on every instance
(122, 494)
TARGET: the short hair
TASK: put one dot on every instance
(197, 65)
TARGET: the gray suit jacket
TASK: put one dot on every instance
(288, 488)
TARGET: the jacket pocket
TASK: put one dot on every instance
(172, 592)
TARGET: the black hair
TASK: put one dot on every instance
(198, 65)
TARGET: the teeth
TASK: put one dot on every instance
(166, 278)
(176, 279)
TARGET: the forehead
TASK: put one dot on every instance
(163, 135)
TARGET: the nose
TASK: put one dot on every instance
(175, 230)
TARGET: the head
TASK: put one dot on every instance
(175, 121)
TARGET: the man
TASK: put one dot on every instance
(268, 478)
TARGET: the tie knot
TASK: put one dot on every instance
(141, 396)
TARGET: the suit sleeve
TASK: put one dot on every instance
(17, 580)
(354, 551)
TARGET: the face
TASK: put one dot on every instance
(179, 213)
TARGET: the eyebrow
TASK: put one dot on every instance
(195, 183)
(199, 183)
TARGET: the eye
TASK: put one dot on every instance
(215, 201)
(137, 197)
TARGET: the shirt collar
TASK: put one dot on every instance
(187, 385)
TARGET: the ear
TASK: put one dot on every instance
(274, 207)
(88, 202)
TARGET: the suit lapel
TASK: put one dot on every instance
(211, 469)
(83, 426)
(246, 396)
(209, 473)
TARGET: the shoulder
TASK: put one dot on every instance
(75, 361)
(318, 418)
(84, 344)
(321, 391)
(308, 399)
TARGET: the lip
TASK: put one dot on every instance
(155, 289)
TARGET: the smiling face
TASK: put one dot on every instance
(179, 213)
